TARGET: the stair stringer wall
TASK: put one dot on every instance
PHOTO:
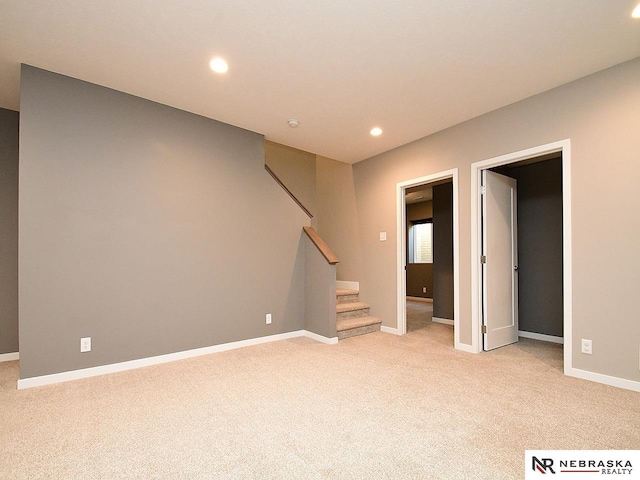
(319, 292)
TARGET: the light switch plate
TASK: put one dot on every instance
(383, 236)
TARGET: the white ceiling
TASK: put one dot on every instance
(412, 67)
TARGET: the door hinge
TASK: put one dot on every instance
(483, 259)
(484, 329)
(483, 190)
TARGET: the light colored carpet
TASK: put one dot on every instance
(376, 406)
(419, 315)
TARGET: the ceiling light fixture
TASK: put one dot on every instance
(376, 132)
(293, 123)
(218, 65)
(636, 12)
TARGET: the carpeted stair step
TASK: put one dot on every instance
(353, 326)
(354, 309)
(352, 316)
(346, 296)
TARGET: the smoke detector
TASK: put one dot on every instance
(293, 123)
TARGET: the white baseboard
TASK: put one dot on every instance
(541, 336)
(170, 357)
(392, 331)
(9, 357)
(320, 338)
(606, 379)
(348, 285)
(446, 321)
(463, 347)
(420, 299)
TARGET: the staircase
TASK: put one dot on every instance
(352, 316)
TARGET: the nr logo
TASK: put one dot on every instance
(542, 465)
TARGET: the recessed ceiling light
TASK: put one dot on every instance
(218, 65)
(376, 131)
(293, 123)
(636, 12)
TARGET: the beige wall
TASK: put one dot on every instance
(419, 211)
(601, 117)
(296, 169)
(337, 220)
(325, 187)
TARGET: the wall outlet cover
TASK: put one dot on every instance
(587, 346)
(268, 318)
(85, 344)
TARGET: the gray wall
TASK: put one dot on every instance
(150, 229)
(443, 251)
(419, 275)
(540, 308)
(320, 292)
(599, 115)
(8, 231)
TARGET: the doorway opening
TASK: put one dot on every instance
(418, 243)
(543, 160)
(420, 256)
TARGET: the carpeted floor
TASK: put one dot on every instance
(376, 406)
(419, 315)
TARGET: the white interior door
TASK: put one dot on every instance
(500, 260)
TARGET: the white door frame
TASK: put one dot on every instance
(563, 146)
(401, 216)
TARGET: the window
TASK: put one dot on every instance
(421, 243)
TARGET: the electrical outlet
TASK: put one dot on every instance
(85, 344)
(586, 346)
(268, 318)
(424, 289)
